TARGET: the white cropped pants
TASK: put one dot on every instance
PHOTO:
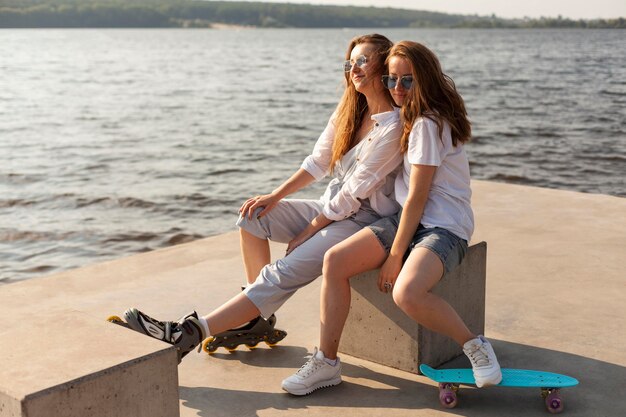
(278, 281)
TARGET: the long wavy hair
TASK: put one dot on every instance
(353, 105)
(433, 94)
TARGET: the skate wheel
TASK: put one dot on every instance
(252, 346)
(276, 337)
(272, 340)
(115, 319)
(447, 395)
(554, 403)
(231, 348)
(206, 345)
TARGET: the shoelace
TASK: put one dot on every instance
(479, 357)
(312, 365)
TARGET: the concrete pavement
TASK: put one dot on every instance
(556, 301)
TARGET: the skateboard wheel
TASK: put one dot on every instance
(447, 395)
(114, 319)
(554, 403)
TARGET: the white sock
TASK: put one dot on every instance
(205, 326)
(331, 362)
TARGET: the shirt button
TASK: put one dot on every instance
(376, 124)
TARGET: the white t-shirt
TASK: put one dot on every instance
(448, 205)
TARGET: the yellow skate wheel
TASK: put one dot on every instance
(252, 346)
(231, 348)
(273, 340)
(114, 319)
(206, 343)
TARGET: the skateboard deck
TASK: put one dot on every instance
(450, 379)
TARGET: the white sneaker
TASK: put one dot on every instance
(316, 373)
(484, 362)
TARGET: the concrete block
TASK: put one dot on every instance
(70, 364)
(378, 331)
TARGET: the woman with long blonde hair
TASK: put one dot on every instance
(426, 239)
(360, 148)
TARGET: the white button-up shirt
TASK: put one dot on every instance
(376, 159)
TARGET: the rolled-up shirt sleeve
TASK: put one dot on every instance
(380, 159)
(318, 163)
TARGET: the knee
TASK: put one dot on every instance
(400, 298)
(408, 301)
(333, 268)
(332, 262)
(251, 227)
(247, 236)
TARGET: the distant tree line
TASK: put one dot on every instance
(197, 13)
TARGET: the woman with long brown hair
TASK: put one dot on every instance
(360, 147)
(426, 239)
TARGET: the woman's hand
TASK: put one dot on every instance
(315, 226)
(389, 273)
(298, 240)
(268, 201)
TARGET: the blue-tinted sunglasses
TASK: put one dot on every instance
(360, 62)
(390, 81)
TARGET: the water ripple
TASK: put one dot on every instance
(148, 145)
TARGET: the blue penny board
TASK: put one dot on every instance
(510, 377)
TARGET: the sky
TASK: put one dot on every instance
(573, 9)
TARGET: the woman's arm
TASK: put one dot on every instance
(419, 188)
(299, 180)
(377, 160)
(313, 168)
(315, 226)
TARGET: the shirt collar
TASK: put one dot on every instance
(388, 116)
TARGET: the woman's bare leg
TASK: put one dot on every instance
(411, 292)
(255, 253)
(359, 253)
(235, 312)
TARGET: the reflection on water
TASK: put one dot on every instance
(121, 141)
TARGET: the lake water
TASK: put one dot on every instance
(114, 142)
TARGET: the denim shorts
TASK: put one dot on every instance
(450, 248)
